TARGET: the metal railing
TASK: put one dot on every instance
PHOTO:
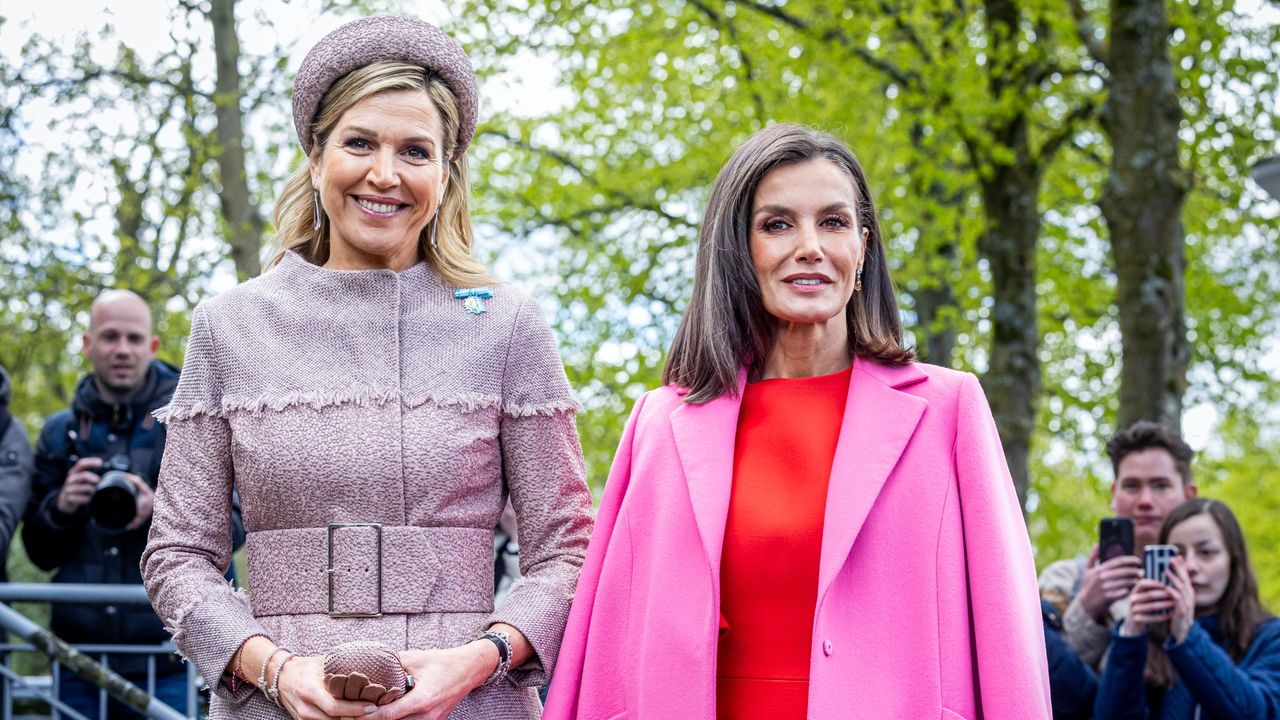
(80, 657)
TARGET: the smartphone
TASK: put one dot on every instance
(1156, 560)
(1115, 538)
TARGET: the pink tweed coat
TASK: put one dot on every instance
(927, 605)
(373, 426)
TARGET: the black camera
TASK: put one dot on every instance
(115, 502)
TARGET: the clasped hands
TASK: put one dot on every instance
(442, 678)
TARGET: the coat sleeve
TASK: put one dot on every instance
(1251, 690)
(1086, 636)
(566, 686)
(15, 484)
(1007, 635)
(189, 548)
(50, 537)
(544, 473)
(1122, 695)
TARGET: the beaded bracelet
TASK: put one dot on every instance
(274, 694)
(262, 674)
(503, 641)
(238, 673)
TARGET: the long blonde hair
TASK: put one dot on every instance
(294, 213)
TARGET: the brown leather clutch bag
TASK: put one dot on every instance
(365, 670)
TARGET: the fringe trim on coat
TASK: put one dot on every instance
(362, 396)
(174, 625)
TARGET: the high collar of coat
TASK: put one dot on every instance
(295, 268)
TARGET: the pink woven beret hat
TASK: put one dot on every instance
(371, 39)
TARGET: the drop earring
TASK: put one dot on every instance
(315, 206)
(857, 280)
(435, 221)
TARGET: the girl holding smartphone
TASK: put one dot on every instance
(1201, 647)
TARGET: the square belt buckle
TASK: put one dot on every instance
(330, 570)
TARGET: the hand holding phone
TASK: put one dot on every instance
(1150, 603)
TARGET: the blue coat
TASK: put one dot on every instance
(1208, 678)
(1072, 683)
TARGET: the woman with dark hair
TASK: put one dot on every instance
(376, 397)
(803, 521)
(1202, 646)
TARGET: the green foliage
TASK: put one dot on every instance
(610, 187)
(1244, 472)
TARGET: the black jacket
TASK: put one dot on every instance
(74, 545)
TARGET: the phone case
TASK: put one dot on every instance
(1156, 560)
(1115, 538)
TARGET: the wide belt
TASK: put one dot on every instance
(369, 569)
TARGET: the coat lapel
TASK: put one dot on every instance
(879, 420)
(705, 436)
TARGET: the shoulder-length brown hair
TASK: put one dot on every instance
(1240, 611)
(726, 325)
(294, 214)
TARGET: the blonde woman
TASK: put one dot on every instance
(376, 397)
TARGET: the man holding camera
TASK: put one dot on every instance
(95, 472)
(1152, 468)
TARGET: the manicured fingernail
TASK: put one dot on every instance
(370, 708)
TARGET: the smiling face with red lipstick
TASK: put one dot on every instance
(381, 176)
(806, 245)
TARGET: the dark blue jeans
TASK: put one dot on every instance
(82, 696)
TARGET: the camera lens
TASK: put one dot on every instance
(114, 503)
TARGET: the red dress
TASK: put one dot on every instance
(787, 433)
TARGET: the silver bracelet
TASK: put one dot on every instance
(262, 674)
(275, 681)
(503, 641)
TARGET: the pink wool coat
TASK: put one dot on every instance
(927, 603)
(377, 399)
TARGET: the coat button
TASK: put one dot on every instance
(112, 551)
(111, 609)
(111, 437)
(826, 647)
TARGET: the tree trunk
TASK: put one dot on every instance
(931, 303)
(1012, 382)
(244, 224)
(1142, 204)
(1010, 191)
(934, 297)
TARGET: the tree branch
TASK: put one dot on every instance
(1086, 31)
(748, 68)
(562, 158)
(908, 79)
(1067, 130)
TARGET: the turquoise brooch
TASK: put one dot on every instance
(473, 298)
